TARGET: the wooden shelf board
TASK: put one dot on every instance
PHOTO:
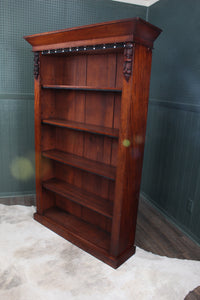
(112, 132)
(80, 88)
(88, 165)
(84, 198)
(79, 228)
(95, 241)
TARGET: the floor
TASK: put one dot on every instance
(167, 239)
(155, 234)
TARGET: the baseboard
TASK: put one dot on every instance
(26, 200)
(171, 219)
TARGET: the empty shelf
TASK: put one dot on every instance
(78, 228)
(80, 196)
(81, 88)
(112, 132)
(88, 165)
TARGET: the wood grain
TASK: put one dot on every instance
(130, 152)
(80, 88)
(82, 163)
(90, 123)
(112, 132)
(114, 31)
(80, 196)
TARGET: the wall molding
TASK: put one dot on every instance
(175, 105)
(170, 218)
(17, 96)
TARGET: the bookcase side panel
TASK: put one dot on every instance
(130, 151)
(44, 169)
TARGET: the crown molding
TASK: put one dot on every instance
(146, 3)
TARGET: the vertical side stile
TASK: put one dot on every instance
(134, 105)
(37, 108)
(43, 167)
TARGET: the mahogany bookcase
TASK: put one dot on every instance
(91, 99)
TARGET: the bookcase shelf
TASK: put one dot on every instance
(72, 226)
(84, 198)
(80, 88)
(91, 100)
(112, 132)
(81, 163)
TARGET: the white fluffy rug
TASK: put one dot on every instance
(35, 263)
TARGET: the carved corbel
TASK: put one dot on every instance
(128, 60)
(36, 64)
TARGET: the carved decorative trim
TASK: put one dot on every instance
(36, 64)
(84, 48)
(128, 60)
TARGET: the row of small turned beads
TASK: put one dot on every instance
(84, 48)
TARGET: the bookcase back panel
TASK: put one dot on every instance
(48, 200)
(97, 70)
(95, 108)
(83, 213)
(92, 183)
(96, 219)
(48, 135)
(69, 141)
(105, 70)
(47, 170)
(94, 147)
(99, 109)
(117, 110)
(101, 70)
(98, 148)
(70, 105)
(63, 70)
(68, 206)
(48, 108)
(114, 156)
(119, 69)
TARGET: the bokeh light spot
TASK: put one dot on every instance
(126, 143)
(21, 168)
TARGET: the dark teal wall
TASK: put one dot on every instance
(171, 173)
(24, 17)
